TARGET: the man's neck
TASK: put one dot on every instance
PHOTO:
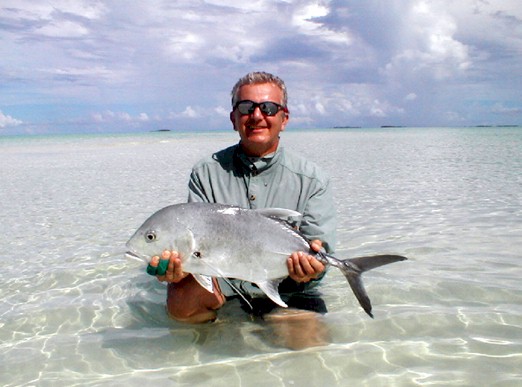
(258, 152)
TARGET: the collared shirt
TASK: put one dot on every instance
(279, 180)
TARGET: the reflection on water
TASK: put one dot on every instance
(297, 329)
(73, 313)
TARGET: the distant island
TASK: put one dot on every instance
(347, 127)
(359, 127)
(402, 126)
(497, 126)
(161, 130)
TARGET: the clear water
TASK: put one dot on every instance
(74, 311)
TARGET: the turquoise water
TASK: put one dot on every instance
(74, 311)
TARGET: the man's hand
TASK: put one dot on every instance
(174, 271)
(303, 267)
(187, 300)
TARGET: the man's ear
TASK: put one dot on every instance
(285, 119)
(233, 120)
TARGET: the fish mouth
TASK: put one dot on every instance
(133, 255)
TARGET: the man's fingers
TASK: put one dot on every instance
(317, 266)
(152, 267)
(175, 265)
(294, 268)
(305, 264)
(168, 267)
(316, 245)
(299, 267)
(303, 267)
(154, 261)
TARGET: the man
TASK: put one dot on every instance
(256, 173)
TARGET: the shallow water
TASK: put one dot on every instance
(74, 311)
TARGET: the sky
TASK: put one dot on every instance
(70, 66)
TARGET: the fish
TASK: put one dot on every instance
(218, 240)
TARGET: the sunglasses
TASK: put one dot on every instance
(267, 108)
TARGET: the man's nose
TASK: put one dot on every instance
(257, 114)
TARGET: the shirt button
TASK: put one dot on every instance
(252, 198)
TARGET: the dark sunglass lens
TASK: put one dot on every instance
(269, 108)
(246, 107)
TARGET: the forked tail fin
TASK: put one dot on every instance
(353, 268)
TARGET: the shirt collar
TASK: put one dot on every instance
(258, 164)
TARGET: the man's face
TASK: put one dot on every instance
(259, 132)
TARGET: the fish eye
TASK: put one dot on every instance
(150, 236)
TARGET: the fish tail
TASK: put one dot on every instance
(353, 268)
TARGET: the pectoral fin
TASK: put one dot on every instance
(270, 288)
(205, 281)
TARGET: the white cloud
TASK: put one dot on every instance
(189, 112)
(47, 10)
(430, 47)
(144, 117)
(62, 29)
(7, 120)
(307, 20)
(221, 111)
(352, 102)
(185, 45)
(319, 107)
(342, 60)
(97, 72)
(411, 97)
(109, 116)
(499, 108)
(303, 16)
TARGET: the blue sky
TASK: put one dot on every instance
(71, 66)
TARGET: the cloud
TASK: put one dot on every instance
(411, 97)
(113, 117)
(7, 120)
(499, 108)
(308, 21)
(431, 48)
(221, 111)
(62, 29)
(347, 106)
(78, 74)
(189, 112)
(57, 19)
(407, 61)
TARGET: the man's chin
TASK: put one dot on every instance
(257, 137)
(258, 145)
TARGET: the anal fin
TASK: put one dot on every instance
(270, 288)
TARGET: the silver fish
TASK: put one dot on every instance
(232, 242)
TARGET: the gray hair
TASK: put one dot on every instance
(258, 77)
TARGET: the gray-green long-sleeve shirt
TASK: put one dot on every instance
(279, 180)
(282, 179)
